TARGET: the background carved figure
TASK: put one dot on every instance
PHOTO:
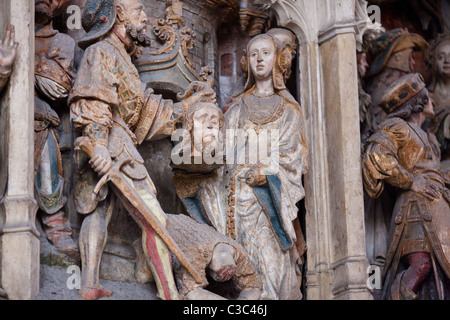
(113, 113)
(257, 206)
(394, 58)
(439, 59)
(400, 154)
(54, 76)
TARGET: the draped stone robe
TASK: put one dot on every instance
(235, 208)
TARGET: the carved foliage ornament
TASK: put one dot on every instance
(164, 30)
(167, 31)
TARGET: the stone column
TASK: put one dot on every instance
(318, 276)
(336, 256)
(20, 238)
(348, 259)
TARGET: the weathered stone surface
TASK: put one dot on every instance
(20, 270)
(348, 253)
(53, 286)
(50, 256)
(117, 269)
(117, 274)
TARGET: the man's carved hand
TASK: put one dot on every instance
(101, 161)
(50, 88)
(424, 187)
(8, 49)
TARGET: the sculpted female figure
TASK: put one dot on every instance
(440, 54)
(440, 93)
(254, 198)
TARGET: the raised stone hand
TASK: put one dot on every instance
(8, 49)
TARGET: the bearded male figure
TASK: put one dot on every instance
(112, 110)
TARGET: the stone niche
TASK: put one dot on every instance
(186, 37)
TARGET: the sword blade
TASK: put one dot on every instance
(129, 196)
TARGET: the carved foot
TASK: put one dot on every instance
(58, 231)
(94, 293)
(65, 245)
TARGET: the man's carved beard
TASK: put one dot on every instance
(140, 39)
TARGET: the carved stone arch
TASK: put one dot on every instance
(292, 15)
(336, 260)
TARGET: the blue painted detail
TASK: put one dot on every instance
(192, 206)
(53, 151)
(270, 200)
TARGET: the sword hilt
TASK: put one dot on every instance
(115, 169)
(84, 144)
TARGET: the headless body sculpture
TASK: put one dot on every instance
(212, 253)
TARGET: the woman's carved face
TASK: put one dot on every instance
(261, 58)
(443, 58)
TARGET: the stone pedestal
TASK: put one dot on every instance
(20, 265)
